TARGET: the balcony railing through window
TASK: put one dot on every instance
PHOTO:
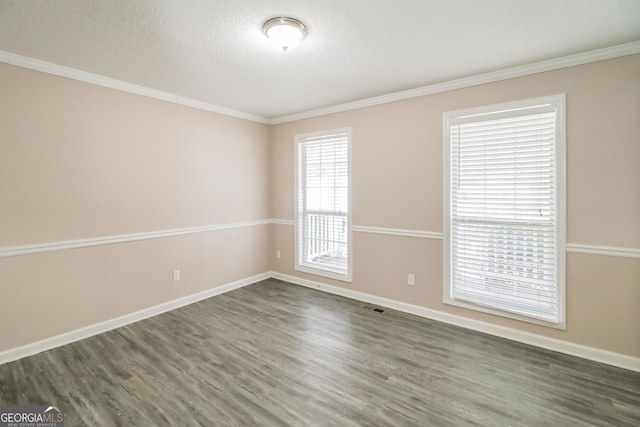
(326, 242)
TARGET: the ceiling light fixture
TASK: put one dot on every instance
(284, 32)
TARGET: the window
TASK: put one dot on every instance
(504, 215)
(323, 221)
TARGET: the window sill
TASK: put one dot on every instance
(343, 277)
(497, 312)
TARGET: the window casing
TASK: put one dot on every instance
(504, 209)
(323, 204)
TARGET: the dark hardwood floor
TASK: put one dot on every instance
(276, 354)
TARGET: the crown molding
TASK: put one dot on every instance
(494, 76)
(96, 79)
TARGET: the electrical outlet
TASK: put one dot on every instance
(278, 254)
(411, 279)
(176, 275)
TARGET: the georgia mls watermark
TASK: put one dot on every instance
(31, 416)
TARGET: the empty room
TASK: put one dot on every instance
(320, 213)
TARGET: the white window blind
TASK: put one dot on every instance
(505, 237)
(323, 223)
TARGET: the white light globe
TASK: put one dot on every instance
(284, 32)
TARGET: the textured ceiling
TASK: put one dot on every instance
(214, 50)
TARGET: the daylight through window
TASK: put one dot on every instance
(323, 222)
(504, 217)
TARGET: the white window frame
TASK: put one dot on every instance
(558, 103)
(299, 264)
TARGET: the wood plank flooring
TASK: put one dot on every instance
(276, 354)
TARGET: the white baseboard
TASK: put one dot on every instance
(583, 351)
(98, 328)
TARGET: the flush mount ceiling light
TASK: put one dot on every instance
(284, 32)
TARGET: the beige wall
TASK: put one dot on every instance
(397, 183)
(81, 161)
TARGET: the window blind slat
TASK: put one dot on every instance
(502, 211)
(323, 201)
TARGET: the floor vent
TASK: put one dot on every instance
(373, 308)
